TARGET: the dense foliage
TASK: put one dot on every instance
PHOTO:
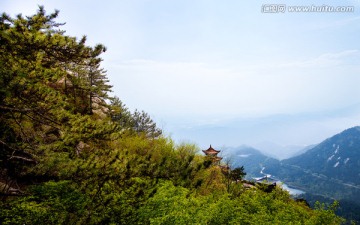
(70, 154)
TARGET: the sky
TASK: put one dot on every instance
(225, 73)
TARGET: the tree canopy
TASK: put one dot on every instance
(71, 154)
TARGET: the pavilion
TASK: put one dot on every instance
(212, 153)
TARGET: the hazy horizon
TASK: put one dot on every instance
(225, 74)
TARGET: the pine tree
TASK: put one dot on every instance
(142, 123)
(48, 81)
(98, 82)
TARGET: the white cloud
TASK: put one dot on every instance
(201, 89)
(324, 60)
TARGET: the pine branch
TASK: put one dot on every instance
(12, 109)
(12, 194)
(23, 159)
(18, 157)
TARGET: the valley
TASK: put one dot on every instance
(330, 170)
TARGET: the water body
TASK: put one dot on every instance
(269, 178)
(292, 191)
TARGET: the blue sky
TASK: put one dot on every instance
(223, 72)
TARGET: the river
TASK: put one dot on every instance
(271, 179)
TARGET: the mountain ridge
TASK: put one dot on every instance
(327, 171)
(336, 157)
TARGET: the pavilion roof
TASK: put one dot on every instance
(211, 151)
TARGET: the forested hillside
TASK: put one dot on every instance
(327, 171)
(71, 154)
(330, 169)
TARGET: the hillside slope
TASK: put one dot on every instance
(337, 157)
(330, 170)
(252, 159)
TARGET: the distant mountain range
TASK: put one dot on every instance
(252, 159)
(329, 170)
(335, 158)
(281, 152)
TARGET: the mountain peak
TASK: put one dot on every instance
(337, 157)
